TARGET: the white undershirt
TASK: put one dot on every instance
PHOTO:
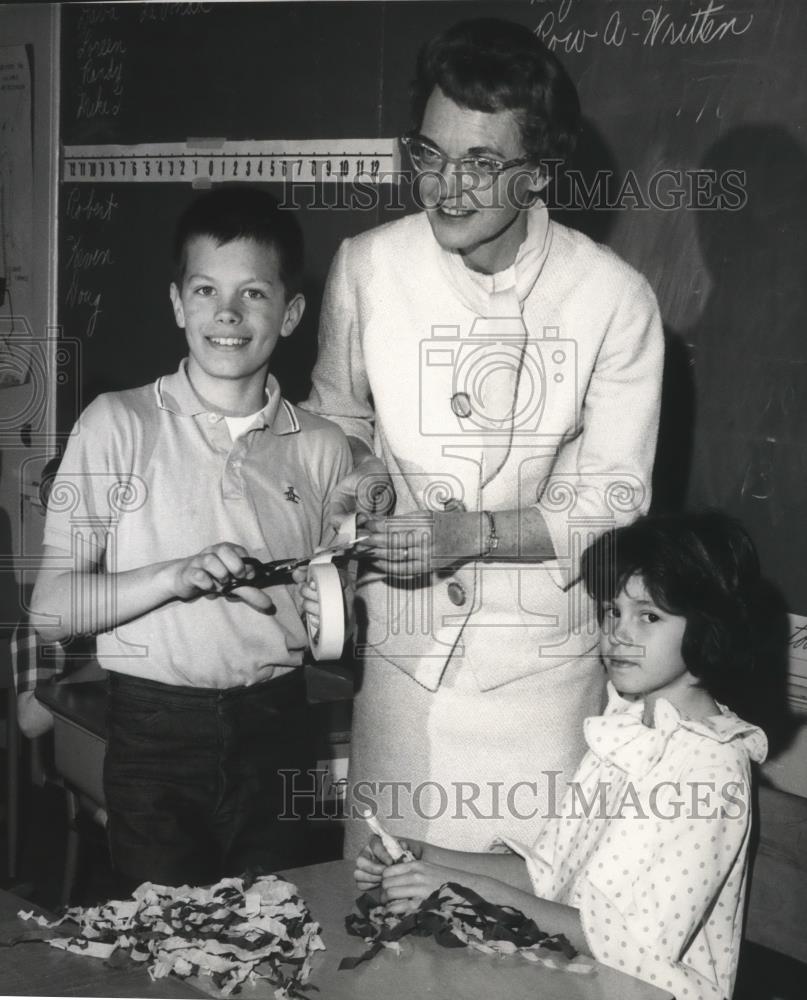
(239, 425)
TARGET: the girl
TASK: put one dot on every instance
(644, 864)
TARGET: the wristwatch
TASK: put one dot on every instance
(492, 540)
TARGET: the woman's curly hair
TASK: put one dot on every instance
(489, 64)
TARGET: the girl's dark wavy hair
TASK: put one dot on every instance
(489, 64)
(701, 566)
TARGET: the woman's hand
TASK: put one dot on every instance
(406, 884)
(374, 860)
(408, 546)
(368, 490)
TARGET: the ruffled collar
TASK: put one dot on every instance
(499, 294)
(620, 737)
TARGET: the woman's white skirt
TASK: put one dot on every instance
(460, 767)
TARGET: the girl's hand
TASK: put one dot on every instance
(370, 864)
(405, 885)
(374, 861)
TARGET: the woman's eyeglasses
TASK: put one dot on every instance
(482, 169)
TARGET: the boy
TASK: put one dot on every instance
(169, 488)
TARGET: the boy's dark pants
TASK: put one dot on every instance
(192, 779)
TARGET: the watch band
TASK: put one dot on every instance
(492, 540)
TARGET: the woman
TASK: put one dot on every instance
(502, 373)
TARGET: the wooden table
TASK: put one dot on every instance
(428, 970)
(424, 969)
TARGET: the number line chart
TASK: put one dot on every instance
(374, 161)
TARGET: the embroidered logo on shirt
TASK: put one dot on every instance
(292, 495)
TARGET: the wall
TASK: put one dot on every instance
(26, 411)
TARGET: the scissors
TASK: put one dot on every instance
(267, 573)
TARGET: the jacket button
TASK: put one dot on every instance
(456, 593)
(461, 404)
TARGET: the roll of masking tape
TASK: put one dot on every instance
(326, 633)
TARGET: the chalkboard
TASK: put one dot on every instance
(146, 73)
(692, 165)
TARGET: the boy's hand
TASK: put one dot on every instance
(368, 489)
(310, 597)
(374, 860)
(308, 591)
(217, 567)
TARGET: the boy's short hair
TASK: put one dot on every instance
(238, 212)
(488, 64)
(701, 566)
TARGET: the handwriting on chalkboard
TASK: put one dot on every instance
(561, 27)
(797, 640)
(101, 64)
(163, 11)
(83, 258)
(83, 206)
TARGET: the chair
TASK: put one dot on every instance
(777, 905)
(79, 747)
(27, 664)
(69, 690)
(12, 745)
(78, 707)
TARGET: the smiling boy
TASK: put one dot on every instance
(171, 487)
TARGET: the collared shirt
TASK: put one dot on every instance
(395, 317)
(650, 843)
(151, 474)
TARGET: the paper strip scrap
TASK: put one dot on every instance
(391, 844)
(240, 929)
(457, 917)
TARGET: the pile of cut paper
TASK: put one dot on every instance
(457, 917)
(240, 929)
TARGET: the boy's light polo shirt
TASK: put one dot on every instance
(150, 474)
